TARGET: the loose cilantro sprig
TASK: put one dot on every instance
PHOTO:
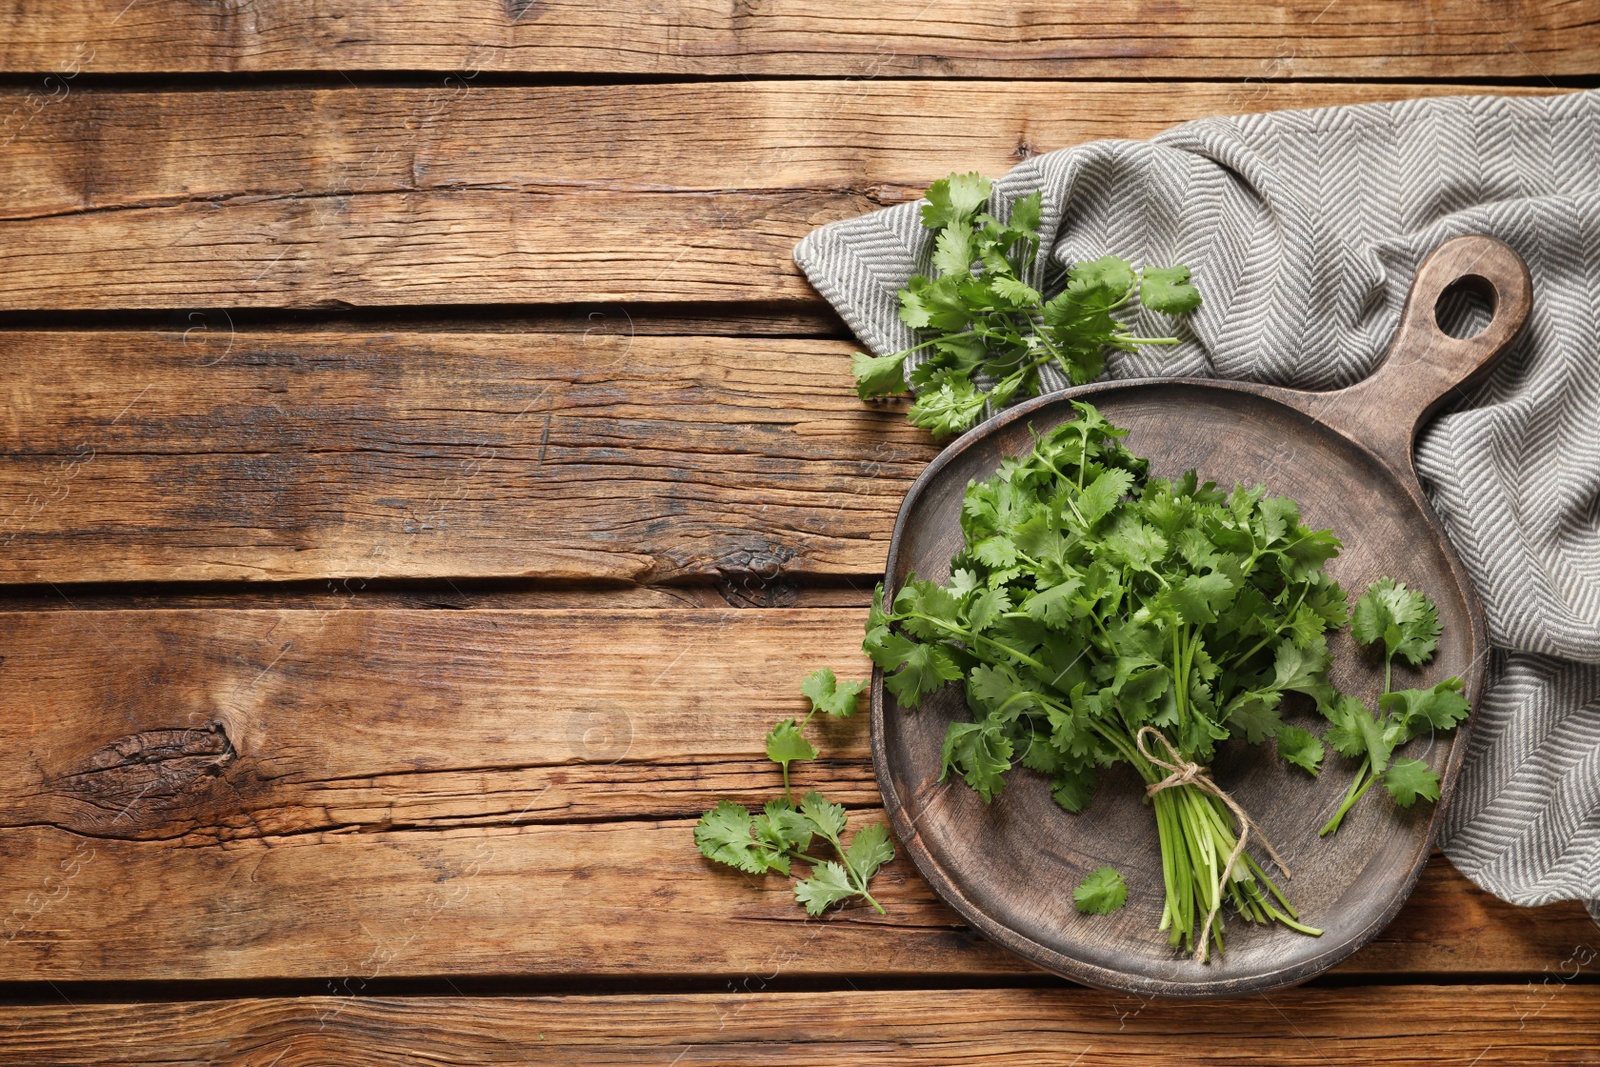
(785, 741)
(1091, 600)
(989, 330)
(1406, 623)
(784, 832)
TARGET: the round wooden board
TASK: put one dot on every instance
(1009, 867)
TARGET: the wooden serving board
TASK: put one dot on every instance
(1009, 867)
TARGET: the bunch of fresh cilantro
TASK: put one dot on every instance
(784, 832)
(1406, 623)
(987, 330)
(1091, 600)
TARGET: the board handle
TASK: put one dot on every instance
(1426, 367)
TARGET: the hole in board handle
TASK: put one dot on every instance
(1465, 308)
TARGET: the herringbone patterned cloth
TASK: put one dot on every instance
(1304, 229)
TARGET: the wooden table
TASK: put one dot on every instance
(427, 476)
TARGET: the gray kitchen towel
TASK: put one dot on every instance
(1303, 229)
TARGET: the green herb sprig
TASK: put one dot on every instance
(1091, 601)
(987, 331)
(784, 831)
(1406, 623)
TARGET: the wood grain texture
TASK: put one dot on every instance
(198, 454)
(1074, 38)
(317, 198)
(1489, 1026)
(259, 794)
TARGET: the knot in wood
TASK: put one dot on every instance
(147, 779)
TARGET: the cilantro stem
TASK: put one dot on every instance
(1180, 674)
(802, 857)
(1351, 795)
(1100, 625)
(927, 344)
(1066, 367)
(1290, 923)
(1029, 560)
(1282, 626)
(1124, 744)
(1014, 697)
(969, 635)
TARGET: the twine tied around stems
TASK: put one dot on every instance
(1183, 772)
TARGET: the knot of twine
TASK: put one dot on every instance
(1183, 772)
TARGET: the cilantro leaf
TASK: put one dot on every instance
(1255, 715)
(830, 882)
(1442, 707)
(954, 200)
(991, 685)
(1405, 620)
(826, 817)
(1019, 294)
(1303, 670)
(724, 834)
(879, 375)
(1056, 605)
(987, 607)
(996, 551)
(1348, 736)
(780, 825)
(1408, 779)
(981, 753)
(869, 849)
(828, 885)
(828, 696)
(1073, 787)
(949, 404)
(953, 250)
(1135, 544)
(780, 829)
(1301, 748)
(785, 744)
(1103, 283)
(1167, 289)
(1197, 598)
(923, 668)
(1101, 893)
(1102, 494)
(1027, 212)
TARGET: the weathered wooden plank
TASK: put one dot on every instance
(1400, 1025)
(310, 198)
(204, 455)
(1200, 38)
(271, 794)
